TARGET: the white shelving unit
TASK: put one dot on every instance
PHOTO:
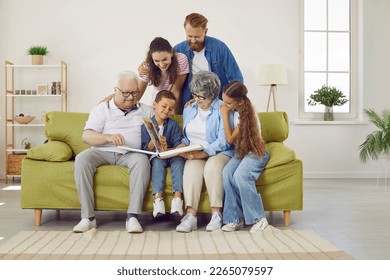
(27, 77)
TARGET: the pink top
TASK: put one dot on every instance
(183, 68)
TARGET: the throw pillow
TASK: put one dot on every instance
(51, 151)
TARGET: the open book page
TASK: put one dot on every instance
(154, 136)
(166, 154)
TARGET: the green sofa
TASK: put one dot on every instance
(48, 182)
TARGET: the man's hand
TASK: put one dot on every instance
(116, 139)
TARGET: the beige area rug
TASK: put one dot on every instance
(271, 244)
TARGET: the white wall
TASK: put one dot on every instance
(100, 38)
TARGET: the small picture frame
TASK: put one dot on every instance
(42, 89)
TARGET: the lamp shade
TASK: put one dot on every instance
(273, 74)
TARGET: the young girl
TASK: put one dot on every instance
(164, 69)
(243, 204)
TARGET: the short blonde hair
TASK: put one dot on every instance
(196, 20)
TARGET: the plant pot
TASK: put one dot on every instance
(37, 59)
(328, 114)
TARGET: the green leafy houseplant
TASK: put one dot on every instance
(37, 53)
(377, 143)
(38, 50)
(329, 97)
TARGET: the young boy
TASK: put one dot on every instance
(170, 137)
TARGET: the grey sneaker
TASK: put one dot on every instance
(215, 222)
(188, 223)
(84, 225)
(233, 226)
(259, 226)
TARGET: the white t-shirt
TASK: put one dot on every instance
(196, 129)
(236, 120)
(199, 62)
(108, 118)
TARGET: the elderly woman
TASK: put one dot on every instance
(203, 124)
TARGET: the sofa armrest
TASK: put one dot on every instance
(51, 151)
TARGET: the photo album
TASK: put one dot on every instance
(157, 144)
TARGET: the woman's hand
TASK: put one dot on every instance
(194, 155)
(189, 102)
(107, 98)
(143, 69)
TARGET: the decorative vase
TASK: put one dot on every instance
(37, 59)
(328, 114)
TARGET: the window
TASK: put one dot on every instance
(328, 54)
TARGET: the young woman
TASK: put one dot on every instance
(164, 69)
(243, 204)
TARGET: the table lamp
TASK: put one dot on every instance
(272, 75)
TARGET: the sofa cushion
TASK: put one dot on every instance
(279, 154)
(51, 151)
(274, 126)
(67, 127)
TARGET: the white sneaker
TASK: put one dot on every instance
(158, 207)
(188, 223)
(215, 222)
(84, 225)
(233, 226)
(177, 206)
(133, 226)
(260, 225)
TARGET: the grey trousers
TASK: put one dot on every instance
(85, 167)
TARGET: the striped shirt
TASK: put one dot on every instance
(183, 68)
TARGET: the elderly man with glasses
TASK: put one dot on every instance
(111, 124)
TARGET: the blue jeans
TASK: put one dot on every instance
(159, 173)
(242, 201)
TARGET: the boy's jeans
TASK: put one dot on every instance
(159, 173)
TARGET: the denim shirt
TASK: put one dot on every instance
(215, 133)
(221, 62)
(171, 132)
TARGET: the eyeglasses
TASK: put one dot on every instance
(133, 93)
(200, 97)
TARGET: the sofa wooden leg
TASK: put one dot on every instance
(38, 217)
(287, 215)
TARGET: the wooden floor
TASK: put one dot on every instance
(354, 214)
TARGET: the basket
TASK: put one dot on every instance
(14, 166)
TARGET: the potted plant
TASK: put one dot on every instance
(329, 97)
(377, 143)
(37, 53)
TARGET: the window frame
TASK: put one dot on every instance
(355, 67)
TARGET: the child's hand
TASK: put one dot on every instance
(164, 144)
(224, 110)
